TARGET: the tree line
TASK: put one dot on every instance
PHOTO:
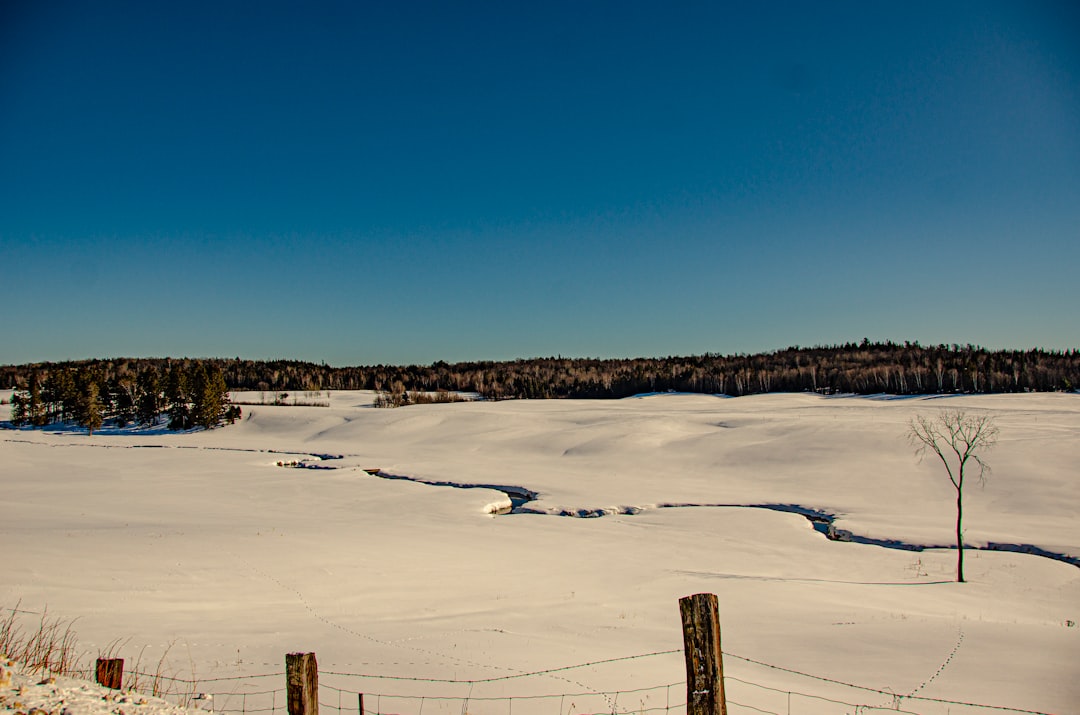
(182, 393)
(859, 368)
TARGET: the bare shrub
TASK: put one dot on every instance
(399, 398)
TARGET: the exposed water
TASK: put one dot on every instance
(823, 522)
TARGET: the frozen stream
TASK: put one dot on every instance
(822, 521)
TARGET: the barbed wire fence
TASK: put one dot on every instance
(345, 693)
(750, 685)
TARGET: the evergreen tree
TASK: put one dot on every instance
(232, 413)
(220, 392)
(176, 395)
(202, 406)
(19, 411)
(35, 406)
(92, 417)
(61, 395)
(148, 401)
(209, 395)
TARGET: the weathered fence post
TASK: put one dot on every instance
(110, 673)
(360, 707)
(302, 681)
(704, 659)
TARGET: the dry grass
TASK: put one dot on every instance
(51, 646)
(157, 683)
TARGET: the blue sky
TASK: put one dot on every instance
(363, 183)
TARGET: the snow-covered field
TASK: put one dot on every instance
(201, 544)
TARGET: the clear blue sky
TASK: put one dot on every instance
(364, 182)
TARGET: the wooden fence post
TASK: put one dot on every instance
(302, 682)
(704, 659)
(110, 673)
(360, 707)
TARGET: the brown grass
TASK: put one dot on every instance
(157, 683)
(50, 647)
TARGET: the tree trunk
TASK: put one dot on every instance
(959, 537)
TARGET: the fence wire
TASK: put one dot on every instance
(896, 698)
(338, 698)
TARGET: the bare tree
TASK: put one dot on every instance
(957, 438)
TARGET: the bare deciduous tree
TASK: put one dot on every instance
(957, 438)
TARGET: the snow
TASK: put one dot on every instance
(201, 544)
(37, 694)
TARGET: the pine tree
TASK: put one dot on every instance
(35, 407)
(61, 395)
(209, 395)
(19, 412)
(148, 400)
(233, 413)
(91, 417)
(220, 392)
(201, 398)
(176, 395)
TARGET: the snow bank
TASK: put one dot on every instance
(22, 692)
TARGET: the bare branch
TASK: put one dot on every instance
(957, 438)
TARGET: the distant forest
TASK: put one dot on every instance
(859, 368)
(186, 393)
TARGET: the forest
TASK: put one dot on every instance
(186, 393)
(854, 368)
